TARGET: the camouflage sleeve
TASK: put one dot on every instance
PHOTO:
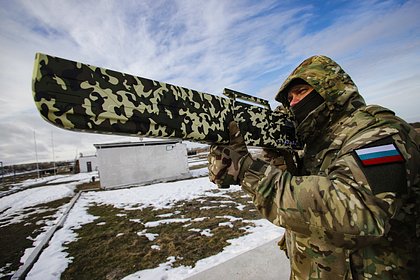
(339, 205)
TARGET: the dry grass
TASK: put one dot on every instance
(88, 186)
(115, 245)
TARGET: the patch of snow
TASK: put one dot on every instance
(155, 273)
(206, 232)
(199, 219)
(31, 197)
(166, 221)
(2, 269)
(226, 224)
(14, 204)
(34, 196)
(168, 214)
(43, 180)
(197, 163)
(160, 196)
(231, 218)
(213, 207)
(240, 207)
(155, 247)
(201, 172)
(150, 236)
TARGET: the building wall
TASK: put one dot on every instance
(84, 163)
(130, 165)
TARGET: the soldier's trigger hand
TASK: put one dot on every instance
(281, 158)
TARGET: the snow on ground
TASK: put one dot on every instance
(42, 180)
(56, 179)
(199, 172)
(198, 163)
(14, 203)
(14, 206)
(53, 261)
(161, 195)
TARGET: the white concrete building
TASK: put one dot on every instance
(134, 163)
(88, 163)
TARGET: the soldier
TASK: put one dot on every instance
(351, 210)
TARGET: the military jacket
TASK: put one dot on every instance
(346, 216)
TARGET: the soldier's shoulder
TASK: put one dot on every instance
(372, 123)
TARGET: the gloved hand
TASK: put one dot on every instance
(280, 158)
(228, 163)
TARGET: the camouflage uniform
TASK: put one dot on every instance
(344, 220)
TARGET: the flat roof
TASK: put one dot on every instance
(135, 144)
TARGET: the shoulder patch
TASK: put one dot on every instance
(383, 165)
(379, 154)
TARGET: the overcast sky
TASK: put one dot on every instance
(250, 46)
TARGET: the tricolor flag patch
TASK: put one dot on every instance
(379, 155)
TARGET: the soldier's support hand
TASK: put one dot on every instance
(227, 164)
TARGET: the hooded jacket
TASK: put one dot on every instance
(346, 217)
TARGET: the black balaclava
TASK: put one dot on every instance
(309, 103)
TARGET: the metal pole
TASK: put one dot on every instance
(52, 144)
(2, 172)
(14, 174)
(36, 155)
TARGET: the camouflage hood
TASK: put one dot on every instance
(333, 84)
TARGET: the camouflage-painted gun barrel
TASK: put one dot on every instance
(81, 97)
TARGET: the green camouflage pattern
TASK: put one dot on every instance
(336, 226)
(81, 97)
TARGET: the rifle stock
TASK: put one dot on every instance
(81, 97)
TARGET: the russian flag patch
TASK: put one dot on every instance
(379, 155)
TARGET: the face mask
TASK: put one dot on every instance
(306, 105)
